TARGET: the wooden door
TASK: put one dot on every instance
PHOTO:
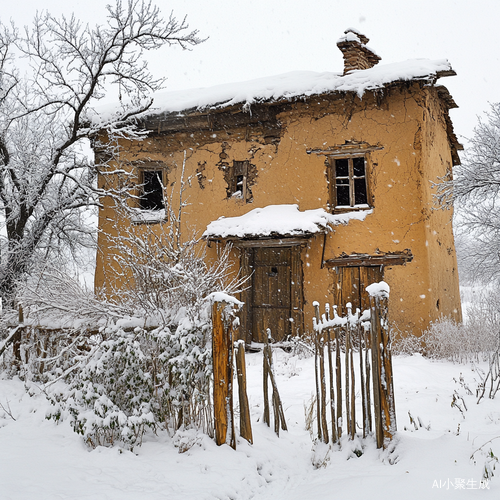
(350, 286)
(271, 297)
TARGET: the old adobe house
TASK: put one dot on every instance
(325, 183)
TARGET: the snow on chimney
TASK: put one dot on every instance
(356, 54)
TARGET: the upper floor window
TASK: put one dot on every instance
(239, 180)
(151, 196)
(349, 183)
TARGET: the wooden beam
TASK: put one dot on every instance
(343, 150)
(271, 242)
(362, 260)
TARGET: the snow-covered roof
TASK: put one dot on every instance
(279, 221)
(286, 86)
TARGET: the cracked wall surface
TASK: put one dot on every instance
(405, 121)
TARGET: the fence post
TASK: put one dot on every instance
(245, 423)
(321, 390)
(222, 352)
(383, 386)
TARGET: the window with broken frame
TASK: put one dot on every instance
(152, 182)
(239, 180)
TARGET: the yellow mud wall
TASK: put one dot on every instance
(398, 177)
(442, 296)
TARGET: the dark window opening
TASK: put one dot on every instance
(239, 180)
(349, 181)
(152, 197)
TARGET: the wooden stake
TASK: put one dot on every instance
(265, 374)
(222, 350)
(368, 372)
(245, 422)
(375, 342)
(387, 402)
(353, 396)
(338, 371)
(347, 377)
(332, 392)
(279, 414)
(322, 381)
(316, 376)
(362, 380)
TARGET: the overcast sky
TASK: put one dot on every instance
(256, 38)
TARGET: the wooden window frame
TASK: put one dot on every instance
(239, 175)
(335, 208)
(142, 183)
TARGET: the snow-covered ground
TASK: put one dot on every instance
(41, 460)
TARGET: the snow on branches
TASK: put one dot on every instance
(46, 178)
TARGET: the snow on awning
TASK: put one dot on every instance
(279, 221)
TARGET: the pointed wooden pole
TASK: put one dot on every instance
(222, 351)
(245, 422)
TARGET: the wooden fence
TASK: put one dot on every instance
(358, 361)
(223, 352)
(352, 356)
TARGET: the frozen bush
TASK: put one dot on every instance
(139, 379)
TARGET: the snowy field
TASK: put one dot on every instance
(41, 460)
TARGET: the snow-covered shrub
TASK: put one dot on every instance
(477, 338)
(139, 379)
(404, 344)
(148, 362)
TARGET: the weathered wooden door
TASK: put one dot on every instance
(350, 284)
(274, 297)
(271, 304)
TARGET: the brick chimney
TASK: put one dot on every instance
(356, 54)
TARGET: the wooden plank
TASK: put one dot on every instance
(369, 260)
(368, 275)
(337, 288)
(271, 302)
(245, 330)
(245, 422)
(345, 150)
(350, 289)
(222, 350)
(269, 242)
(296, 293)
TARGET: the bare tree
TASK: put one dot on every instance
(475, 192)
(46, 181)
